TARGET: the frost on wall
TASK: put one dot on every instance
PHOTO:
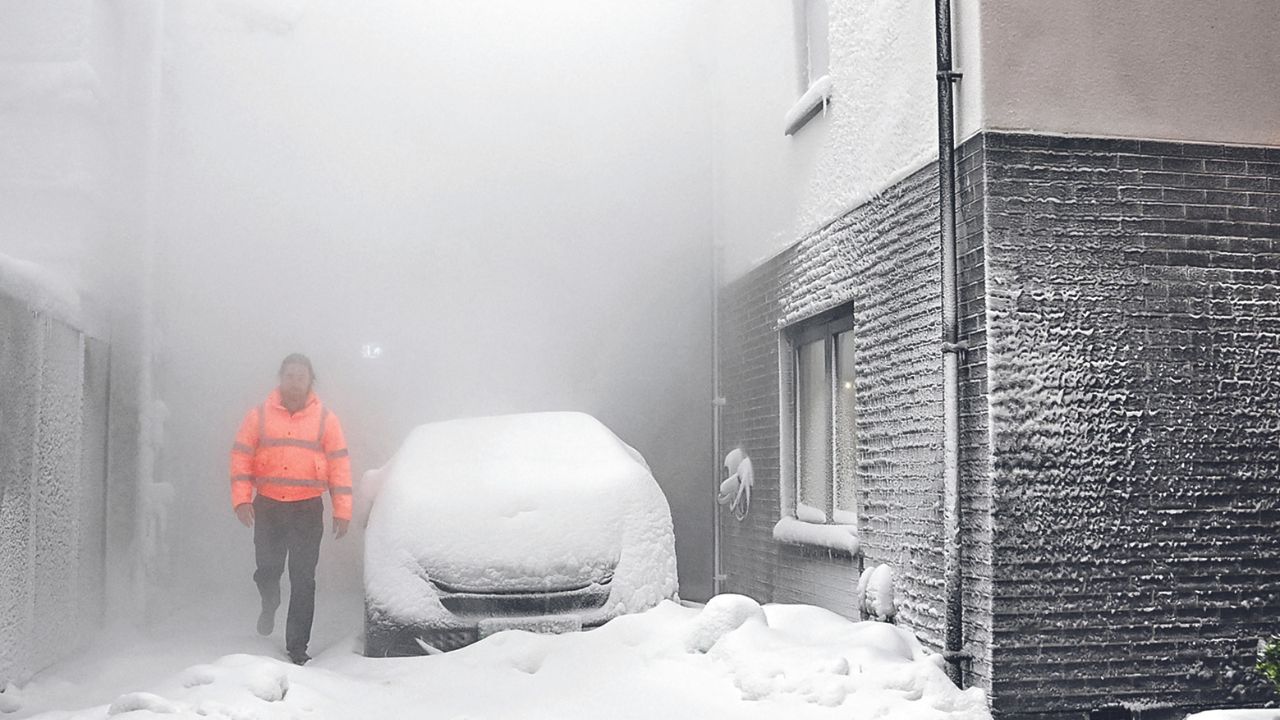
(19, 389)
(93, 479)
(50, 506)
(1135, 415)
(56, 494)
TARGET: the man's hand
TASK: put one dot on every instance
(340, 527)
(244, 511)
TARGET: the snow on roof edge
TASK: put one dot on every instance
(40, 288)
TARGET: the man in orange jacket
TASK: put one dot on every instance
(290, 449)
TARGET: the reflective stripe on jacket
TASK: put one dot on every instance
(291, 457)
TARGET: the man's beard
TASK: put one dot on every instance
(296, 397)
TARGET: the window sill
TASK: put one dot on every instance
(809, 105)
(842, 539)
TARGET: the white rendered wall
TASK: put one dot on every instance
(1159, 69)
(881, 122)
(53, 130)
(1180, 70)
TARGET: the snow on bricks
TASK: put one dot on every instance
(1133, 395)
(49, 555)
(730, 659)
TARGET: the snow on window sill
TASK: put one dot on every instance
(844, 517)
(809, 514)
(807, 107)
(841, 538)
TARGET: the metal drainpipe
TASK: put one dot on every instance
(717, 574)
(951, 350)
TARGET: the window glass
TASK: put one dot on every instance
(845, 433)
(813, 432)
(816, 29)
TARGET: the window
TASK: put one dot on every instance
(824, 394)
(813, 58)
(817, 46)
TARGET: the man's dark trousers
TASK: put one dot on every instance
(292, 531)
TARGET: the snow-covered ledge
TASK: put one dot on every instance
(841, 538)
(41, 289)
(807, 107)
(1262, 714)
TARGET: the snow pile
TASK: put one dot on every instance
(816, 657)
(722, 615)
(10, 699)
(40, 288)
(875, 591)
(761, 663)
(134, 702)
(236, 686)
(517, 503)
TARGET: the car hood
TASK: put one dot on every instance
(526, 503)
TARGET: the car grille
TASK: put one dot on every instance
(471, 602)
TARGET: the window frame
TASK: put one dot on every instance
(806, 17)
(814, 90)
(825, 327)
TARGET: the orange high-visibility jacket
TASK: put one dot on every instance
(291, 457)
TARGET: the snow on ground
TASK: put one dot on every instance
(187, 632)
(779, 661)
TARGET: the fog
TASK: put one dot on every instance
(506, 202)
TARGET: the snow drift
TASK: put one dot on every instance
(760, 663)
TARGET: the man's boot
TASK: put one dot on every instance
(266, 621)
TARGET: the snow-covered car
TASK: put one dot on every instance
(541, 521)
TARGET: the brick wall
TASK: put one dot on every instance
(753, 562)
(1120, 405)
(975, 451)
(884, 257)
(1134, 333)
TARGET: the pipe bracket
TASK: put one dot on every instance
(958, 348)
(950, 75)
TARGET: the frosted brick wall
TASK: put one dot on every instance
(1120, 415)
(884, 257)
(53, 403)
(1134, 321)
